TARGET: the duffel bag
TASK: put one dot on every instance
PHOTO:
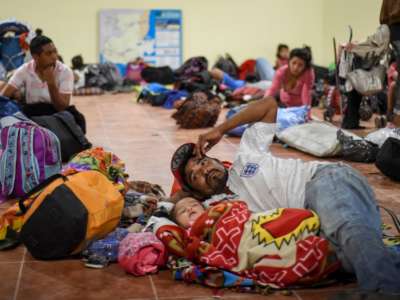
(64, 126)
(67, 213)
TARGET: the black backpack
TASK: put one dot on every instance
(162, 75)
(388, 158)
(228, 65)
(201, 81)
(191, 68)
(63, 125)
(105, 76)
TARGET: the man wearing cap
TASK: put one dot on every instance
(342, 198)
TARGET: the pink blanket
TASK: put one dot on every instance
(141, 253)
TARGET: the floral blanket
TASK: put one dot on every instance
(100, 160)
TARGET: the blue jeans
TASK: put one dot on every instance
(264, 69)
(350, 220)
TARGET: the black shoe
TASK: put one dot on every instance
(96, 261)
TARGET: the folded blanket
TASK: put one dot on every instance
(141, 253)
(101, 252)
(99, 160)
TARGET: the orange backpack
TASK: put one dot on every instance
(68, 213)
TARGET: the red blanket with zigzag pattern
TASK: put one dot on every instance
(278, 247)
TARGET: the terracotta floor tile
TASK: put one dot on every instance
(12, 255)
(69, 279)
(9, 281)
(167, 288)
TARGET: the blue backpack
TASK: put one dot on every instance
(11, 53)
(8, 107)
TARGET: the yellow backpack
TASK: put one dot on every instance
(69, 212)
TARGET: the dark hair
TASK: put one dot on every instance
(38, 31)
(37, 43)
(77, 62)
(172, 212)
(302, 53)
(279, 48)
(200, 194)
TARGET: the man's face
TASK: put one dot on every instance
(48, 56)
(206, 175)
(186, 211)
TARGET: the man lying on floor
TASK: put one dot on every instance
(45, 82)
(338, 194)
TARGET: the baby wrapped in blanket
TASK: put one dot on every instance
(279, 247)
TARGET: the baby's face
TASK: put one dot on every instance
(187, 211)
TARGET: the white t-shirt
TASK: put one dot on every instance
(36, 91)
(266, 182)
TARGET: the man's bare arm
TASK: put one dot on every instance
(263, 110)
(9, 91)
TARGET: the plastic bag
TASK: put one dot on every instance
(380, 136)
(285, 118)
(368, 82)
(358, 150)
(288, 117)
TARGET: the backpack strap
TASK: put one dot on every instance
(8, 161)
(30, 172)
(36, 189)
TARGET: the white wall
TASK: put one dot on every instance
(362, 15)
(245, 29)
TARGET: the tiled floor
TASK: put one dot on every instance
(145, 138)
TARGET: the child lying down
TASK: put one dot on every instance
(278, 247)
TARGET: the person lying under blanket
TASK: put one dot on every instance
(278, 247)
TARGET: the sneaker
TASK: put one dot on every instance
(96, 262)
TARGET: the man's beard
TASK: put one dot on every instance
(216, 180)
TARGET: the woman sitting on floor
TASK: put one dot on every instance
(293, 82)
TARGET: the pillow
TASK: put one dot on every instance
(315, 137)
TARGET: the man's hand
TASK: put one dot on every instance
(206, 141)
(48, 75)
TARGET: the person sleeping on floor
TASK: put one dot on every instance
(341, 197)
(278, 247)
